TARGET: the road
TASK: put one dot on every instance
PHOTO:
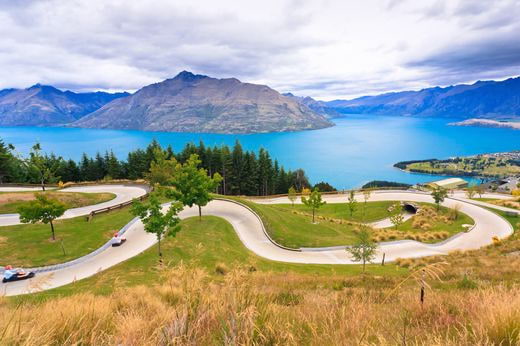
(251, 232)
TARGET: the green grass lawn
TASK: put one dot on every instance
(296, 230)
(11, 201)
(211, 243)
(369, 212)
(30, 245)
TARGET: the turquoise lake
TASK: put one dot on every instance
(358, 149)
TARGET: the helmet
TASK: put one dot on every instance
(116, 234)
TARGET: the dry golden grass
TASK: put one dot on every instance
(244, 308)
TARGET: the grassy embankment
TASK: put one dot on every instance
(11, 201)
(29, 245)
(291, 226)
(509, 203)
(220, 293)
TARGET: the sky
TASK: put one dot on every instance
(327, 49)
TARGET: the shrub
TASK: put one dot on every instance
(221, 269)
(467, 284)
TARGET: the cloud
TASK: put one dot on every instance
(326, 49)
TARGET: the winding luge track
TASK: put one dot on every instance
(124, 193)
(251, 232)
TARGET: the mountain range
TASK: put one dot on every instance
(43, 105)
(489, 99)
(197, 103)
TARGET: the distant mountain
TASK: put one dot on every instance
(43, 105)
(319, 107)
(488, 99)
(197, 103)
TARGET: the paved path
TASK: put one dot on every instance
(124, 193)
(252, 234)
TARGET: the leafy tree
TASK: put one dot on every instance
(396, 215)
(470, 192)
(324, 187)
(352, 204)
(291, 194)
(192, 185)
(44, 168)
(314, 201)
(43, 209)
(366, 197)
(364, 248)
(479, 189)
(439, 194)
(161, 168)
(155, 221)
(6, 161)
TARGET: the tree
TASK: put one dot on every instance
(364, 249)
(396, 215)
(192, 185)
(480, 190)
(324, 187)
(366, 197)
(439, 194)
(42, 209)
(291, 194)
(470, 192)
(314, 201)
(6, 161)
(161, 168)
(352, 203)
(155, 221)
(44, 169)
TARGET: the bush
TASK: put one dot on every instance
(467, 284)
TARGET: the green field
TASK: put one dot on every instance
(296, 230)
(211, 244)
(11, 201)
(462, 166)
(30, 245)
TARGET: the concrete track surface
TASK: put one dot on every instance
(251, 232)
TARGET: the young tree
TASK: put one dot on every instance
(43, 209)
(314, 201)
(366, 197)
(192, 185)
(352, 204)
(439, 194)
(364, 249)
(291, 194)
(470, 192)
(396, 215)
(479, 189)
(44, 169)
(161, 168)
(155, 221)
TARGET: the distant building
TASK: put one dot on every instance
(503, 185)
(449, 184)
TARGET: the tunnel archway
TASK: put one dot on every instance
(411, 208)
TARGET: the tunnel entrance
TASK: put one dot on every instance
(410, 207)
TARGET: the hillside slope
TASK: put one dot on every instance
(197, 103)
(488, 99)
(43, 105)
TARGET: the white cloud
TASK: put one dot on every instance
(326, 49)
